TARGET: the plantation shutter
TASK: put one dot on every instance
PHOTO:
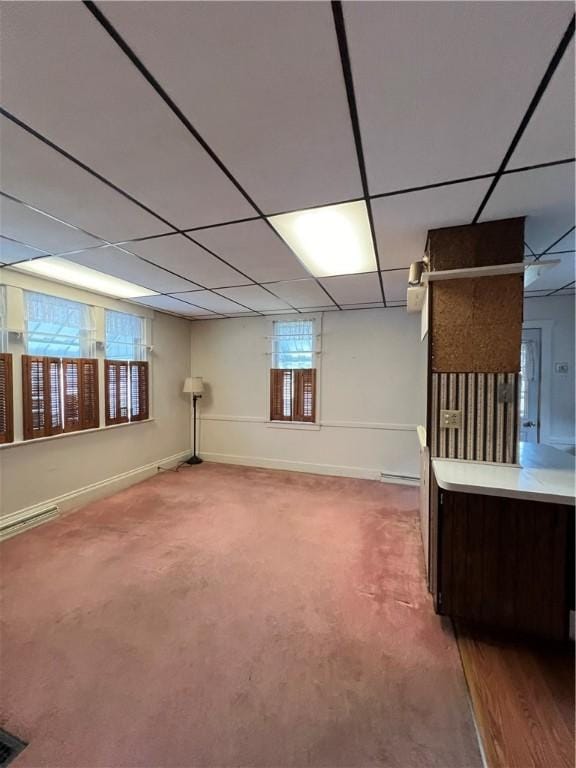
(138, 391)
(116, 386)
(305, 394)
(281, 394)
(41, 392)
(89, 389)
(6, 403)
(80, 378)
(72, 407)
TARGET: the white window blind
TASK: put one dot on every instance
(293, 344)
(125, 336)
(58, 327)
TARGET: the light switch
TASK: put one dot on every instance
(450, 419)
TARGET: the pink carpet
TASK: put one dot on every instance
(226, 616)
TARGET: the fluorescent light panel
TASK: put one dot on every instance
(329, 241)
(64, 271)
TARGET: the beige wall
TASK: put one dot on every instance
(557, 394)
(372, 383)
(35, 472)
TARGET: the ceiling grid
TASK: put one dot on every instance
(246, 266)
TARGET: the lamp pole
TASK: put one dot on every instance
(194, 459)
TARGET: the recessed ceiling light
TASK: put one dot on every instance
(64, 271)
(334, 240)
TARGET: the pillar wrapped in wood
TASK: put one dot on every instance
(475, 327)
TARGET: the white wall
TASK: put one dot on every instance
(372, 386)
(73, 468)
(557, 394)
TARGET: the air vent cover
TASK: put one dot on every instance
(10, 747)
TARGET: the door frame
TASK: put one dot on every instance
(545, 327)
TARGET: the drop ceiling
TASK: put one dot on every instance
(151, 141)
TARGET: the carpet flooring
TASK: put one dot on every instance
(226, 616)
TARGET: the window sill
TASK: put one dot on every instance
(78, 432)
(306, 426)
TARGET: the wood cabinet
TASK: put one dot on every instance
(504, 563)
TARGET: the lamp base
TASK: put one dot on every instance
(194, 460)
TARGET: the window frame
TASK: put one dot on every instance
(290, 423)
(7, 393)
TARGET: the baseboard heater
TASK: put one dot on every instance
(391, 476)
(12, 527)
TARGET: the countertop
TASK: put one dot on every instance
(543, 474)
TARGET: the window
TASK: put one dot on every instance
(125, 336)
(126, 373)
(6, 404)
(293, 372)
(58, 327)
(59, 380)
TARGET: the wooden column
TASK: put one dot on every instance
(475, 328)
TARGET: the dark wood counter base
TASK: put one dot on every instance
(505, 564)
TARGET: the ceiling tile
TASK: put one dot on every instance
(11, 251)
(184, 257)
(545, 196)
(395, 285)
(175, 305)
(116, 262)
(300, 293)
(255, 297)
(402, 221)
(442, 87)
(33, 228)
(558, 276)
(212, 301)
(37, 174)
(254, 248)
(280, 104)
(549, 135)
(353, 289)
(65, 76)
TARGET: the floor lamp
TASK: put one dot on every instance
(196, 387)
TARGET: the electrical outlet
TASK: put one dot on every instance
(561, 368)
(450, 419)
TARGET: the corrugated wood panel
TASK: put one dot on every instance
(489, 429)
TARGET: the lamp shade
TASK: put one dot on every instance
(194, 385)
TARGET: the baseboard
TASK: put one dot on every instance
(72, 500)
(361, 473)
(562, 443)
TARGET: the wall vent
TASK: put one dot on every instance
(17, 523)
(10, 747)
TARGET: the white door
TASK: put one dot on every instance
(529, 403)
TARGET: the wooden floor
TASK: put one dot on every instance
(523, 699)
